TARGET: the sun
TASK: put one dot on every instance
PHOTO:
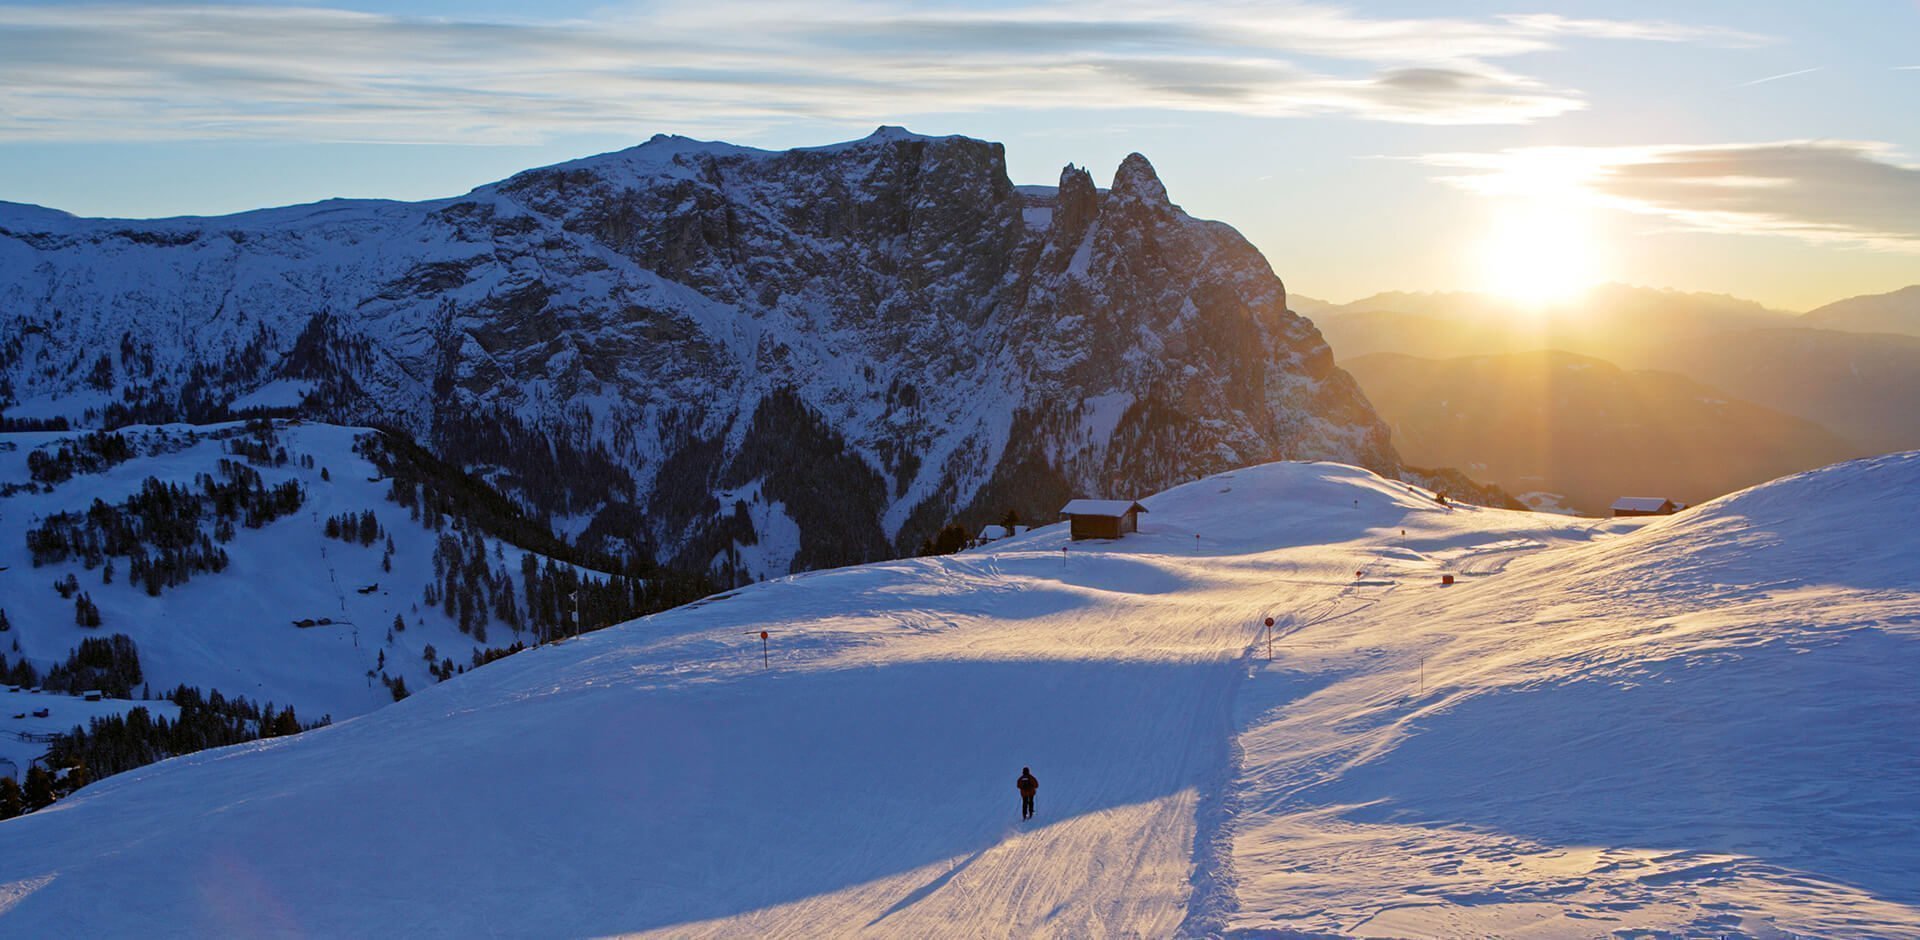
(1539, 254)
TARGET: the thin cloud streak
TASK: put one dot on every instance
(1775, 78)
(1825, 192)
(162, 72)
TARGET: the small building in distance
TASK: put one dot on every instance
(995, 533)
(1102, 518)
(1645, 506)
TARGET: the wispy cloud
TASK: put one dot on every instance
(1650, 30)
(145, 71)
(1775, 78)
(1852, 192)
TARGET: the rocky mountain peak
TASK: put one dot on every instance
(742, 361)
(1136, 181)
(1077, 202)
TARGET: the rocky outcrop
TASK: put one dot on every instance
(755, 358)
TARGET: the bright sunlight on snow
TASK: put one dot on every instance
(1601, 727)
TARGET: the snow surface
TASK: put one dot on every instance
(234, 631)
(776, 535)
(1697, 725)
(19, 728)
(279, 393)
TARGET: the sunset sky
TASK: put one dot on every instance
(1767, 150)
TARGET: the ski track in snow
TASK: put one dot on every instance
(1691, 726)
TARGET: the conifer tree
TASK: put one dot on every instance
(12, 801)
(39, 790)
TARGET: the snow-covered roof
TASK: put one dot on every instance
(1101, 507)
(1642, 503)
(996, 532)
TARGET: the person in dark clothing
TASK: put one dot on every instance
(1029, 785)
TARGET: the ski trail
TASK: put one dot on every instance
(1214, 898)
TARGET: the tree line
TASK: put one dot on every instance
(168, 532)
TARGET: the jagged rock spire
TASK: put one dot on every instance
(1136, 180)
(1078, 202)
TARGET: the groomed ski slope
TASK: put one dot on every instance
(1702, 724)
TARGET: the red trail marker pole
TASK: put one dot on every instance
(764, 662)
(1269, 639)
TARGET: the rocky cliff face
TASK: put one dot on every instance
(728, 357)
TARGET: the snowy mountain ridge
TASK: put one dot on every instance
(1695, 725)
(882, 334)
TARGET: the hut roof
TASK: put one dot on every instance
(1642, 503)
(1101, 507)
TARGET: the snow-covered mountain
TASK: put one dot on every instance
(1699, 725)
(758, 361)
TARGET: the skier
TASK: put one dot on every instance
(1028, 785)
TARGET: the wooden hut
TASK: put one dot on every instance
(1645, 506)
(1102, 518)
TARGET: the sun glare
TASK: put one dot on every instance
(1539, 255)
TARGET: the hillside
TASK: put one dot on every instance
(1580, 432)
(1892, 312)
(1602, 728)
(220, 552)
(744, 362)
(1849, 367)
(1861, 386)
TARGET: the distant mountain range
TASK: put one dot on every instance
(1584, 429)
(1894, 312)
(1768, 367)
(1615, 322)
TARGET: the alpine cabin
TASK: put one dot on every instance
(1645, 506)
(1102, 518)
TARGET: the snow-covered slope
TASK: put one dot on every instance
(1700, 724)
(235, 630)
(876, 335)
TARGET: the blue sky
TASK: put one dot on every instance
(1760, 149)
